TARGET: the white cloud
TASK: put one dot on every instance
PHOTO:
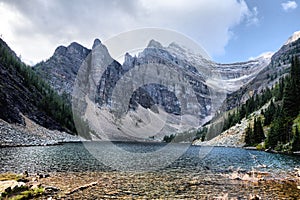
(289, 5)
(252, 17)
(39, 26)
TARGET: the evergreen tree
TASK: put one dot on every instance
(291, 95)
(258, 132)
(295, 76)
(276, 133)
(249, 136)
(296, 140)
(269, 114)
(289, 99)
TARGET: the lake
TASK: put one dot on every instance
(76, 157)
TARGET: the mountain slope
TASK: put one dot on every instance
(22, 92)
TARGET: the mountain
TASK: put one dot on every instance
(61, 69)
(278, 67)
(170, 83)
(210, 81)
(24, 94)
(271, 100)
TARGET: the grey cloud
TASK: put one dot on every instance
(58, 22)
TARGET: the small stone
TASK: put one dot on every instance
(51, 189)
(25, 174)
(35, 185)
(254, 197)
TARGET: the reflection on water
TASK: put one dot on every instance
(73, 157)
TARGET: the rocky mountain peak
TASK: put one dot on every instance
(128, 58)
(73, 48)
(128, 61)
(96, 43)
(61, 69)
(154, 44)
(293, 38)
(76, 46)
(61, 50)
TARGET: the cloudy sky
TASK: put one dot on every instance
(229, 30)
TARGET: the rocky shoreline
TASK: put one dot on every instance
(156, 185)
(32, 134)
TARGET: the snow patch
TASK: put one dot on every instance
(293, 38)
(265, 55)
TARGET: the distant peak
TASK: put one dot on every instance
(174, 45)
(76, 45)
(60, 50)
(154, 44)
(128, 59)
(96, 43)
(293, 38)
(128, 55)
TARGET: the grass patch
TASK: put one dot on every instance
(297, 122)
(260, 146)
(10, 176)
(27, 194)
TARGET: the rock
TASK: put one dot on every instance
(206, 167)
(8, 186)
(31, 135)
(25, 174)
(35, 185)
(50, 189)
(81, 188)
(96, 43)
(254, 197)
(39, 176)
(297, 172)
